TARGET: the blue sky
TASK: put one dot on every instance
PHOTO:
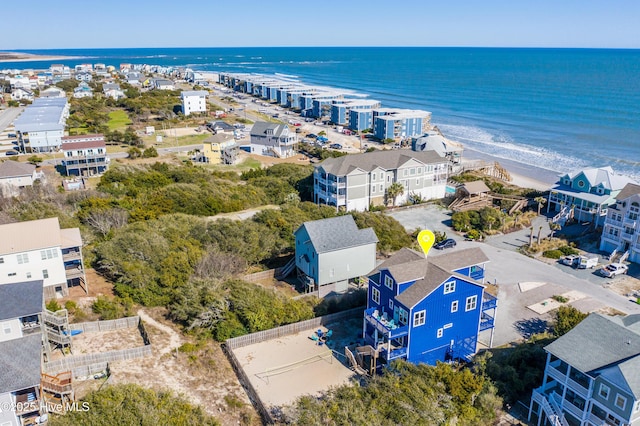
(39, 24)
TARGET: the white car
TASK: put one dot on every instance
(570, 260)
(613, 269)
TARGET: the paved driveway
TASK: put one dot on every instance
(508, 268)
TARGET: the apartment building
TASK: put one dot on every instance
(84, 155)
(194, 101)
(399, 124)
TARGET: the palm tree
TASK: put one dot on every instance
(539, 232)
(540, 201)
(554, 227)
(531, 237)
(395, 189)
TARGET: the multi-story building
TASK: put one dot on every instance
(272, 139)
(330, 252)
(621, 230)
(113, 91)
(83, 91)
(220, 148)
(194, 101)
(41, 126)
(586, 195)
(355, 182)
(399, 124)
(361, 110)
(591, 375)
(21, 342)
(428, 310)
(40, 250)
(84, 155)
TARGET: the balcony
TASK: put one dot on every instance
(489, 301)
(386, 327)
(71, 255)
(74, 271)
(630, 222)
(27, 402)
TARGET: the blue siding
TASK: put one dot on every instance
(476, 272)
(462, 326)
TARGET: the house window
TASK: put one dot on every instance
(7, 329)
(472, 302)
(449, 287)
(381, 188)
(391, 304)
(418, 181)
(1, 259)
(45, 273)
(375, 295)
(448, 325)
(419, 170)
(388, 178)
(405, 172)
(621, 402)
(604, 391)
(440, 332)
(11, 274)
(419, 318)
(475, 268)
(388, 281)
(373, 189)
(412, 171)
(373, 176)
(454, 306)
(23, 258)
(403, 316)
(580, 183)
(28, 274)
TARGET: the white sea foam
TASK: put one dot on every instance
(502, 146)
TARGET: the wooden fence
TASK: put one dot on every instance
(261, 276)
(286, 330)
(109, 325)
(90, 370)
(75, 362)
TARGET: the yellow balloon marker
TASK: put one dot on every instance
(426, 240)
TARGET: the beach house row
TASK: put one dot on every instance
(358, 181)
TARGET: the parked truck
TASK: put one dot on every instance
(587, 262)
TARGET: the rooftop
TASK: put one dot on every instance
(629, 190)
(20, 299)
(9, 169)
(31, 235)
(20, 360)
(337, 233)
(369, 161)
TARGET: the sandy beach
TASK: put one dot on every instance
(28, 57)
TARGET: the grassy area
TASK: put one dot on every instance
(118, 120)
(169, 141)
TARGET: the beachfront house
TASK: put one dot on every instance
(591, 375)
(586, 195)
(194, 101)
(434, 141)
(83, 91)
(163, 84)
(14, 176)
(272, 139)
(84, 76)
(84, 155)
(399, 124)
(40, 250)
(21, 339)
(113, 91)
(331, 252)
(428, 310)
(358, 181)
(341, 113)
(621, 230)
(22, 94)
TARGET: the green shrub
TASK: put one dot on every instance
(474, 234)
(53, 305)
(567, 250)
(559, 298)
(552, 254)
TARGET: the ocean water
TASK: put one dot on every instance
(559, 109)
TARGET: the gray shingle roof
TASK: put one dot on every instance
(408, 265)
(20, 360)
(337, 233)
(9, 169)
(387, 160)
(20, 299)
(475, 187)
(597, 342)
(260, 128)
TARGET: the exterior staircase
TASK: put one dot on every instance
(286, 270)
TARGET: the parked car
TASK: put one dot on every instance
(613, 269)
(11, 135)
(11, 153)
(312, 136)
(448, 243)
(585, 262)
(570, 260)
(334, 145)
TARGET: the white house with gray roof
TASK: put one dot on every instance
(355, 182)
(41, 126)
(592, 375)
(21, 306)
(330, 252)
(272, 139)
(14, 176)
(586, 195)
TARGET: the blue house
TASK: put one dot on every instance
(428, 310)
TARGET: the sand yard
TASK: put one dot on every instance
(283, 369)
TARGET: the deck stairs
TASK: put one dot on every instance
(624, 257)
(286, 270)
(562, 217)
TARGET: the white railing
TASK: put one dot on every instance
(556, 374)
(557, 411)
(578, 388)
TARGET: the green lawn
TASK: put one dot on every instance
(169, 141)
(118, 120)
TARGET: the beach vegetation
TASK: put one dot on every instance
(405, 394)
(68, 85)
(552, 254)
(393, 191)
(35, 160)
(566, 318)
(128, 404)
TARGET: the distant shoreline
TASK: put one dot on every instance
(29, 57)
